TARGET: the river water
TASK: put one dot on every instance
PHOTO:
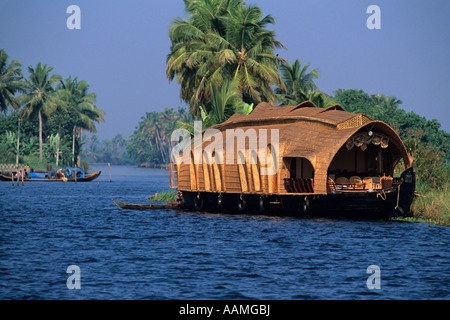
(128, 254)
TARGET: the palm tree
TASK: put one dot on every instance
(10, 82)
(119, 143)
(319, 98)
(82, 105)
(224, 103)
(223, 40)
(391, 102)
(151, 141)
(40, 98)
(298, 81)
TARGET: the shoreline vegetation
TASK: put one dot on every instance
(227, 60)
(431, 207)
(43, 115)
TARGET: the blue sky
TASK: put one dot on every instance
(122, 46)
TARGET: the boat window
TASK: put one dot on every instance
(301, 168)
(301, 175)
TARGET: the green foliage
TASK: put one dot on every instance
(433, 206)
(164, 196)
(50, 107)
(113, 151)
(432, 169)
(10, 82)
(386, 109)
(80, 103)
(225, 102)
(6, 156)
(219, 41)
(429, 146)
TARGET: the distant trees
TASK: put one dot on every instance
(46, 106)
(150, 142)
(112, 150)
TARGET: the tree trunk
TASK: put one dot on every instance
(18, 145)
(57, 149)
(40, 135)
(79, 149)
(73, 146)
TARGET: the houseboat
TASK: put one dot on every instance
(327, 161)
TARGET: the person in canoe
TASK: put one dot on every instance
(60, 174)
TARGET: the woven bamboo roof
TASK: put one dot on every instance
(304, 112)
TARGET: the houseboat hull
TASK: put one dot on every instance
(335, 204)
(378, 204)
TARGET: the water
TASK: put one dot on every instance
(128, 254)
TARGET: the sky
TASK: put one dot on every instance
(122, 46)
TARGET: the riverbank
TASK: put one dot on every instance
(432, 207)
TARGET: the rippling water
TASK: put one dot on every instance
(126, 254)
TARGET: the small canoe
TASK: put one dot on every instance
(86, 178)
(169, 205)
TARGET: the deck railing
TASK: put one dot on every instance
(300, 185)
(375, 183)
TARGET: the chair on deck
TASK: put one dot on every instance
(356, 182)
(368, 182)
(342, 182)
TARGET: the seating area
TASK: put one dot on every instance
(302, 185)
(357, 183)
